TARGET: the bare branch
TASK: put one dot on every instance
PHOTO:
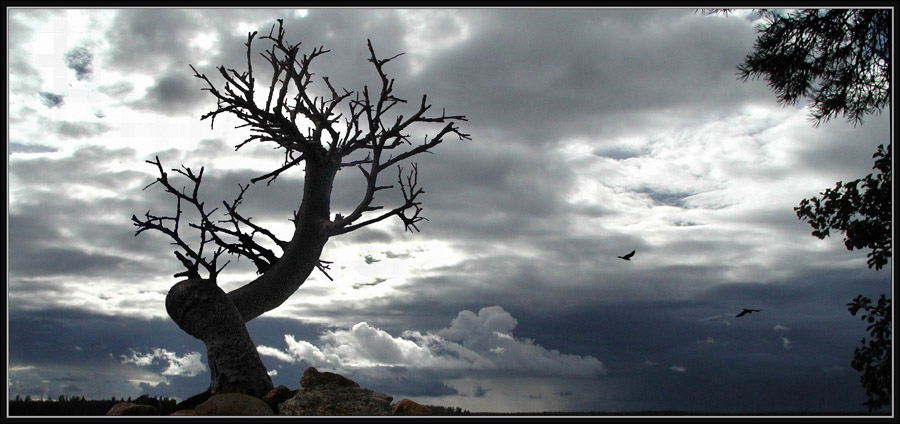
(195, 258)
(274, 174)
(410, 191)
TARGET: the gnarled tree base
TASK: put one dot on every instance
(204, 311)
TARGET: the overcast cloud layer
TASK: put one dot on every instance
(594, 132)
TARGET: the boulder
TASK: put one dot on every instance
(277, 396)
(129, 408)
(233, 404)
(185, 412)
(337, 400)
(147, 400)
(193, 401)
(326, 393)
(312, 377)
(408, 407)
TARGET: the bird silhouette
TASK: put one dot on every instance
(627, 257)
(747, 311)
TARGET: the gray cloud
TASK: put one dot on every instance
(629, 87)
(81, 129)
(151, 40)
(52, 100)
(173, 94)
(117, 89)
(80, 60)
(14, 147)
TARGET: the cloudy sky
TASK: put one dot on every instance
(594, 132)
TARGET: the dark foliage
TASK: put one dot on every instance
(77, 406)
(873, 358)
(839, 58)
(438, 410)
(861, 209)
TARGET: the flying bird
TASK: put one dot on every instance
(627, 257)
(747, 311)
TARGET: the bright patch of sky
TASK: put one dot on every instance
(429, 32)
(368, 271)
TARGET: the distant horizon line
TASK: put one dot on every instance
(639, 413)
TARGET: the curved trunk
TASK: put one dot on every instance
(204, 311)
(302, 253)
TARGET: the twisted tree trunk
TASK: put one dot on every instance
(217, 318)
(206, 312)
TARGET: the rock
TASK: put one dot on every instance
(326, 393)
(193, 401)
(185, 412)
(147, 400)
(312, 377)
(337, 400)
(277, 396)
(408, 407)
(233, 404)
(129, 408)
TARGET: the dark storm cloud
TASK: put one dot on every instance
(86, 166)
(491, 170)
(477, 192)
(406, 386)
(745, 355)
(81, 129)
(342, 31)
(58, 232)
(745, 352)
(562, 74)
(553, 66)
(52, 100)
(14, 147)
(475, 172)
(173, 94)
(80, 59)
(53, 340)
(151, 40)
(59, 261)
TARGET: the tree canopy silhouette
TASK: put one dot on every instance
(840, 60)
(324, 132)
(861, 209)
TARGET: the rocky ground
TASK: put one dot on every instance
(322, 394)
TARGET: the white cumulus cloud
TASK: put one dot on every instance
(188, 365)
(482, 341)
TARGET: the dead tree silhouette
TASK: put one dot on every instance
(363, 126)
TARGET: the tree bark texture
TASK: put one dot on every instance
(203, 310)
